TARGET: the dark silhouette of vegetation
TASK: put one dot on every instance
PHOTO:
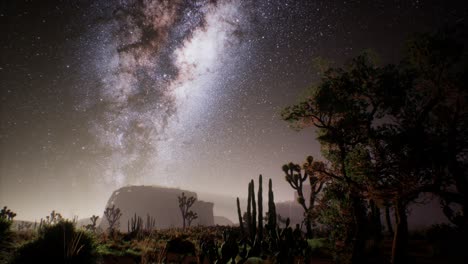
(6, 235)
(52, 219)
(296, 176)
(93, 226)
(58, 243)
(390, 134)
(287, 245)
(271, 214)
(239, 214)
(135, 225)
(113, 215)
(7, 214)
(185, 203)
(179, 250)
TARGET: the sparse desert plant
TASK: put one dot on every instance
(6, 235)
(185, 203)
(135, 226)
(296, 175)
(113, 215)
(24, 226)
(447, 241)
(52, 219)
(180, 250)
(92, 227)
(7, 214)
(190, 217)
(58, 243)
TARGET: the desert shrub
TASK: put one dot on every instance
(335, 214)
(319, 246)
(58, 243)
(6, 237)
(180, 250)
(446, 240)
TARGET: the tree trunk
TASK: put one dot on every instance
(359, 230)
(376, 222)
(400, 239)
(388, 220)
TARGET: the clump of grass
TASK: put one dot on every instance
(58, 243)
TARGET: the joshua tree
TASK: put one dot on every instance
(296, 175)
(52, 219)
(92, 226)
(113, 215)
(190, 217)
(184, 204)
(7, 214)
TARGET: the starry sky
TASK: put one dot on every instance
(96, 95)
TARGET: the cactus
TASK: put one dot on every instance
(271, 207)
(249, 209)
(150, 223)
(254, 212)
(135, 225)
(260, 209)
(283, 243)
(239, 214)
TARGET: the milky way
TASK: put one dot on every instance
(160, 65)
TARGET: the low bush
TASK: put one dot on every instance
(447, 241)
(58, 243)
(6, 239)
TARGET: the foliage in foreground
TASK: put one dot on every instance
(391, 133)
(58, 243)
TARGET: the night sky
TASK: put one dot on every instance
(96, 95)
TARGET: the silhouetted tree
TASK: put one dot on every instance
(190, 217)
(296, 176)
(92, 227)
(185, 203)
(113, 215)
(374, 124)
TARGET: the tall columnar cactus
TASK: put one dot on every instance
(260, 209)
(239, 214)
(150, 223)
(249, 209)
(254, 211)
(271, 207)
(135, 224)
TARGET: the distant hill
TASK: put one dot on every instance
(158, 202)
(222, 221)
